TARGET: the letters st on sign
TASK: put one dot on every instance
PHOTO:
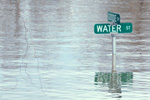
(107, 28)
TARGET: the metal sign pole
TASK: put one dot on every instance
(113, 52)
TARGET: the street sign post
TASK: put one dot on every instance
(113, 52)
(113, 17)
(107, 28)
(114, 28)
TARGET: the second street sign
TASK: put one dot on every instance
(113, 17)
(107, 28)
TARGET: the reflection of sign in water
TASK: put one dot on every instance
(114, 80)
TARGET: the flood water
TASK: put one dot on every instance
(49, 51)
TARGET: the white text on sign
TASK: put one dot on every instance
(108, 28)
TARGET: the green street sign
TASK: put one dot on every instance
(113, 17)
(126, 28)
(107, 28)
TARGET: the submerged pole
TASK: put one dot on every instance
(113, 52)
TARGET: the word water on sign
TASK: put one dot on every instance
(107, 28)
